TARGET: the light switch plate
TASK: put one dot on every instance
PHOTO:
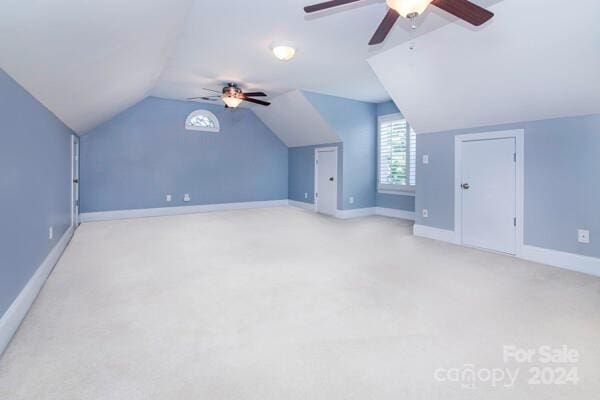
(583, 236)
(425, 158)
(306, 195)
(351, 200)
(169, 198)
(50, 233)
(425, 213)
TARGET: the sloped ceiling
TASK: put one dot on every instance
(228, 41)
(86, 61)
(537, 59)
(294, 119)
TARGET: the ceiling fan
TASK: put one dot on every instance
(232, 95)
(463, 9)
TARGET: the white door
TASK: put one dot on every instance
(326, 180)
(75, 187)
(489, 198)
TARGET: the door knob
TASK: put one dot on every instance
(331, 179)
(465, 186)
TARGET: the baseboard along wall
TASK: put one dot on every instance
(165, 211)
(12, 318)
(555, 258)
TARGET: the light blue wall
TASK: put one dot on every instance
(356, 124)
(387, 108)
(301, 167)
(562, 181)
(398, 202)
(35, 186)
(135, 159)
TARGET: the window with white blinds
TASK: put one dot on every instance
(397, 155)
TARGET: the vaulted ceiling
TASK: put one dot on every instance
(537, 59)
(89, 60)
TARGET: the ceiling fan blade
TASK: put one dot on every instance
(465, 10)
(210, 90)
(327, 4)
(262, 103)
(385, 27)
(209, 98)
(256, 94)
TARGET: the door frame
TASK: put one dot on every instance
(519, 136)
(75, 151)
(316, 186)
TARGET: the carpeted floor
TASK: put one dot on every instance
(284, 304)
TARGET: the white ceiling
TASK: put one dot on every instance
(88, 60)
(296, 121)
(229, 41)
(537, 59)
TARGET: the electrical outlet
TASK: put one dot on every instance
(169, 198)
(425, 158)
(351, 200)
(50, 233)
(425, 213)
(306, 195)
(583, 236)
(186, 197)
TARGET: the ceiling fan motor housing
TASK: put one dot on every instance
(232, 90)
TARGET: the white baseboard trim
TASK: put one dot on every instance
(360, 212)
(303, 205)
(561, 259)
(554, 258)
(12, 318)
(393, 213)
(443, 235)
(356, 213)
(159, 212)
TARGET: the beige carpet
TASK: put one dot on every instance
(284, 304)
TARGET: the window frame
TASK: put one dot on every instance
(394, 189)
(204, 113)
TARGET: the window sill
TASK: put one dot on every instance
(397, 192)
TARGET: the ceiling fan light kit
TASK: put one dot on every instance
(409, 8)
(232, 95)
(463, 9)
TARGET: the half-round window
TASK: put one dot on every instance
(202, 120)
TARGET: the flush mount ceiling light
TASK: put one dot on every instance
(408, 8)
(283, 51)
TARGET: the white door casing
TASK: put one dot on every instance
(326, 180)
(75, 181)
(489, 214)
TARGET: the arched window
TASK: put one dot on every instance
(202, 120)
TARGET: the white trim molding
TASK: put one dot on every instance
(561, 259)
(12, 318)
(519, 136)
(302, 205)
(393, 213)
(430, 232)
(165, 211)
(360, 212)
(356, 213)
